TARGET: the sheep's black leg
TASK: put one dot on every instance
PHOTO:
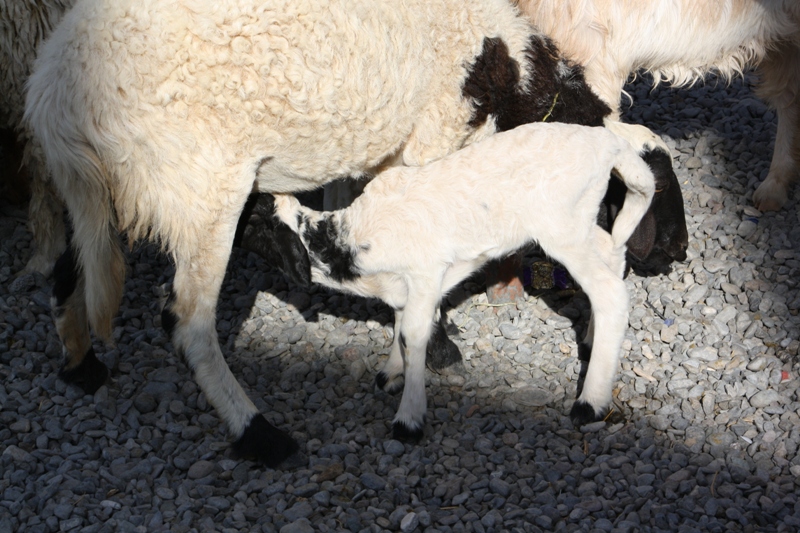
(441, 352)
(82, 368)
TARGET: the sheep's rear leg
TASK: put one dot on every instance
(780, 72)
(191, 316)
(81, 368)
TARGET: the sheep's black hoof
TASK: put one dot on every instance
(405, 433)
(388, 386)
(442, 352)
(90, 375)
(583, 413)
(264, 443)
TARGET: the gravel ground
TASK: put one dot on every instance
(704, 438)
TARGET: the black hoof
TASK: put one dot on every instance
(583, 413)
(442, 352)
(90, 375)
(403, 433)
(264, 443)
(390, 387)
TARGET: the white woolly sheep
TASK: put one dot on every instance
(681, 41)
(159, 118)
(415, 233)
(23, 26)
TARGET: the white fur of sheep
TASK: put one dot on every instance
(23, 27)
(415, 233)
(681, 41)
(159, 118)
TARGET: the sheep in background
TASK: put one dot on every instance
(415, 233)
(23, 26)
(679, 42)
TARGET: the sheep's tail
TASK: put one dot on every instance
(83, 182)
(639, 180)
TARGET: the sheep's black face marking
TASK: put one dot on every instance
(672, 236)
(260, 231)
(556, 90)
(661, 237)
(327, 250)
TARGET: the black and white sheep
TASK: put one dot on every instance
(23, 27)
(679, 42)
(159, 118)
(415, 233)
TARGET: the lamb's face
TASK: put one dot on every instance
(274, 235)
(325, 238)
(671, 235)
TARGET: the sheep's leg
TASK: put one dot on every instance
(390, 377)
(46, 219)
(190, 315)
(781, 74)
(68, 302)
(442, 351)
(609, 298)
(415, 330)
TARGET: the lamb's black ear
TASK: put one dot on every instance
(643, 240)
(260, 231)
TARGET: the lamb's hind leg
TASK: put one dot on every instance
(609, 299)
(780, 72)
(68, 302)
(191, 315)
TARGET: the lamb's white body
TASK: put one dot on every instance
(23, 27)
(417, 232)
(159, 118)
(679, 41)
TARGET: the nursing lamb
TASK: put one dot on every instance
(417, 232)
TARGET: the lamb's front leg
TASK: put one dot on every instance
(415, 330)
(390, 378)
